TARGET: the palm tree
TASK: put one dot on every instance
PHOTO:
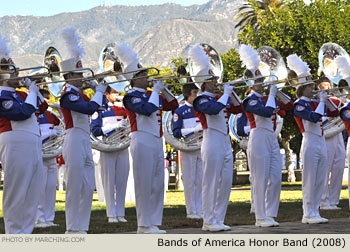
(248, 13)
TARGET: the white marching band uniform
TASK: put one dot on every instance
(308, 114)
(335, 169)
(20, 152)
(114, 165)
(216, 151)
(20, 137)
(77, 155)
(345, 116)
(46, 209)
(264, 159)
(186, 124)
(144, 110)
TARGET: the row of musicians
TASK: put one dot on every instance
(211, 110)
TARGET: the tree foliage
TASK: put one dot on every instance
(250, 12)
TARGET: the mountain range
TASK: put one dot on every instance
(156, 32)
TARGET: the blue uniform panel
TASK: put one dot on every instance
(345, 113)
(72, 100)
(241, 122)
(208, 105)
(304, 110)
(256, 105)
(138, 102)
(182, 114)
(13, 107)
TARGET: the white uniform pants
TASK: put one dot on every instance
(114, 174)
(348, 156)
(314, 155)
(98, 177)
(217, 159)
(130, 187)
(80, 179)
(192, 175)
(335, 169)
(46, 208)
(265, 164)
(148, 169)
(62, 178)
(20, 155)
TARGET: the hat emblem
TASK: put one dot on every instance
(79, 64)
(10, 61)
(257, 72)
(139, 65)
(307, 78)
(210, 71)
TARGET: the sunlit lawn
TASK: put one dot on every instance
(174, 215)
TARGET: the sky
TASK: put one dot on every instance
(49, 8)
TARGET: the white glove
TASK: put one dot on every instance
(122, 124)
(198, 127)
(26, 82)
(273, 90)
(228, 89)
(32, 97)
(101, 87)
(158, 86)
(323, 97)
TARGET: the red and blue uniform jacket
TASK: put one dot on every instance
(145, 116)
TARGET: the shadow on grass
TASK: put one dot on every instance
(175, 217)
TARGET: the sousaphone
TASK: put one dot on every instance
(52, 60)
(327, 65)
(120, 139)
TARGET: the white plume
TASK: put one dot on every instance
(4, 50)
(296, 64)
(343, 65)
(198, 57)
(126, 54)
(73, 42)
(249, 57)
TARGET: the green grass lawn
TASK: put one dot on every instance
(174, 215)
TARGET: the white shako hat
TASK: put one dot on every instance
(129, 60)
(251, 61)
(75, 50)
(4, 57)
(200, 65)
(300, 69)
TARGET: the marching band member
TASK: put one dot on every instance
(344, 67)
(213, 111)
(114, 165)
(345, 116)
(335, 163)
(308, 115)
(20, 150)
(185, 124)
(46, 208)
(76, 108)
(144, 110)
(264, 156)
